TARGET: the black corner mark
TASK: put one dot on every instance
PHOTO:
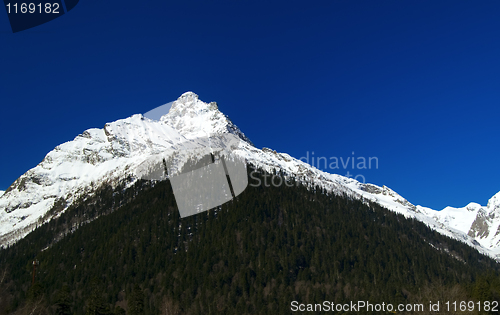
(26, 14)
(70, 4)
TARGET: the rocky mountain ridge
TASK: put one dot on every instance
(112, 154)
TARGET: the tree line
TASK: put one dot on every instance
(253, 255)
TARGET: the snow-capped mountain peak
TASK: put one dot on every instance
(112, 154)
(494, 202)
(194, 118)
(108, 155)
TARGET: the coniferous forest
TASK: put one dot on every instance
(132, 254)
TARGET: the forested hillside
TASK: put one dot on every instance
(254, 255)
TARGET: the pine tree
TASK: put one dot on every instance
(135, 304)
(119, 311)
(96, 304)
(63, 301)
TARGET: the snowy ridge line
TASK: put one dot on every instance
(341, 185)
(111, 154)
(55, 209)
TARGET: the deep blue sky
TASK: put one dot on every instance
(414, 83)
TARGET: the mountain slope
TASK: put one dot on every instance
(480, 223)
(112, 154)
(255, 255)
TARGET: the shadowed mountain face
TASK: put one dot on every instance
(111, 155)
(107, 239)
(256, 254)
